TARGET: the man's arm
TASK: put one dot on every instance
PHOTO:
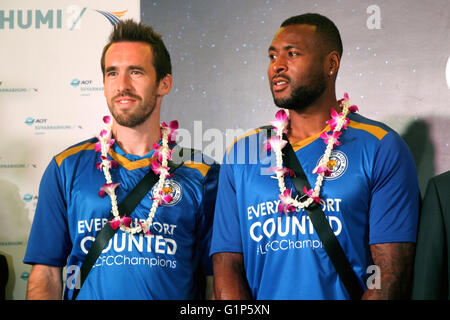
(44, 283)
(230, 282)
(395, 261)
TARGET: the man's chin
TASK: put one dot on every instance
(131, 120)
(297, 103)
(284, 103)
(281, 101)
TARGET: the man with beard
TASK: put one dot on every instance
(161, 248)
(360, 172)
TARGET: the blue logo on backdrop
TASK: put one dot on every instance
(27, 197)
(26, 19)
(29, 121)
(69, 17)
(113, 17)
(86, 87)
(24, 275)
(75, 83)
(44, 125)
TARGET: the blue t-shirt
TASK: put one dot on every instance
(163, 265)
(371, 197)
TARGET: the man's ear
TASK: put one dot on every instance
(165, 84)
(332, 63)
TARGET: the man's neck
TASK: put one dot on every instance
(138, 140)
(312, 120)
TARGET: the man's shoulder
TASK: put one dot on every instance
(75, 149)
(256, 135)
(193, 160)
(442, 181)
(374, 128)
(436, 200)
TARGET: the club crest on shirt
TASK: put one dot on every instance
(170, 187)
(338, 164)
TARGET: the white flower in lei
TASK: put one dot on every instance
(338, 122)
(162, 154)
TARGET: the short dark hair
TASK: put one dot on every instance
(129, 30)
(325, 28)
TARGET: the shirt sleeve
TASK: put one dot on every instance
(395, 198)
(205, 221)
(49, 241)
(226, 231)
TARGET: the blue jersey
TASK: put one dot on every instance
(371, 197)
(163, 265)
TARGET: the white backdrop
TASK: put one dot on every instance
(51, 96)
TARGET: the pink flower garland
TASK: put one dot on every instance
(162, 153)
(338, 122)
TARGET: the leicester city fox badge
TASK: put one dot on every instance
(172, 188)
(338, 164)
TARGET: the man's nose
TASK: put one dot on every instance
(279, 65)
(124, 84)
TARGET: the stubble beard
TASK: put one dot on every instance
(302, 97)
(133, 118)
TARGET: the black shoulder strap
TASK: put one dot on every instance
(322, 227)
(126, 207)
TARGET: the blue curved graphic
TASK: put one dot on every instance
(29, 121)
(111, 18)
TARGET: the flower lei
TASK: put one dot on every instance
(162, 154)
(338, 122)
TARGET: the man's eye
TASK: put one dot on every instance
(272, 56)
(293, 53)
(111, 74)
